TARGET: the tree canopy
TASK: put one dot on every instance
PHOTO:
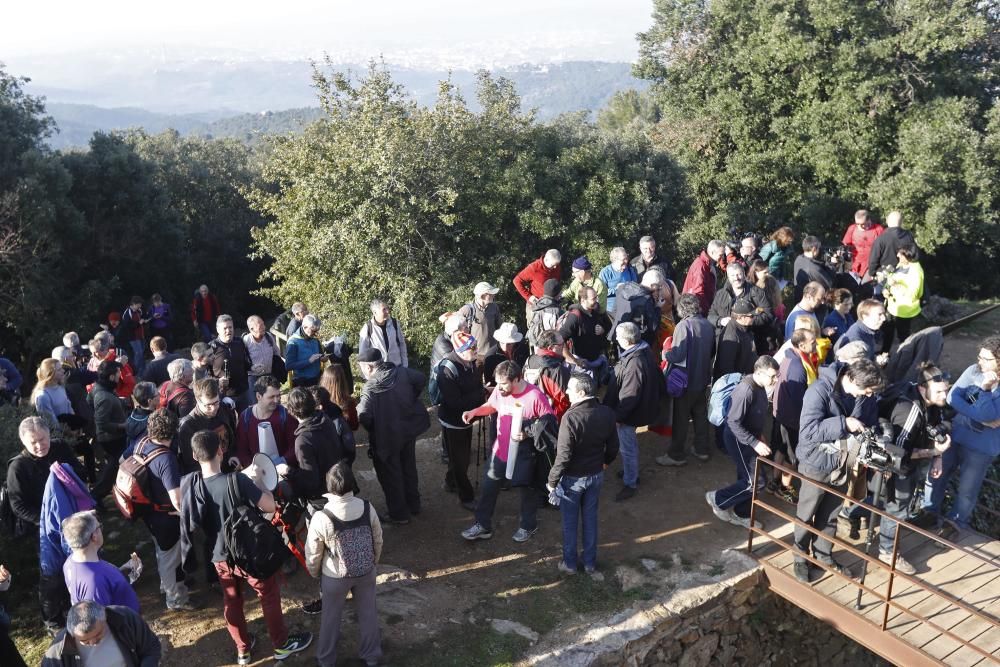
(384, 198)
(799, 112)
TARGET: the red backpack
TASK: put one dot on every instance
(131, 490)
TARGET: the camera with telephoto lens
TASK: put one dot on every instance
(877, 450)
(838, 256)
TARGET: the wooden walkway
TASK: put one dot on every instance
(947, 613)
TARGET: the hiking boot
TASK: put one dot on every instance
(295, 643)
(313, 608)
(246, 657)
(837, 567)
(902, 565)
(564, 568)
(522, 535)
(665, 460)
(626, 493)
(802, 573)
(477, 532)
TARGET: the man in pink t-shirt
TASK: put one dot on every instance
(511, 391)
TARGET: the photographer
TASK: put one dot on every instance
(918, 427)
(832, 411)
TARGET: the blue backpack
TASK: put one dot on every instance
(722, 397)
(433, 386)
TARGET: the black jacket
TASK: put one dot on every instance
(722, 305)
(156, 370)
(736, 351)
(231, 360)
(749, 413)
(318, 448)
(809, 269)
(461, 390)
(641, 266)
(391, 410)
(588, 440)
(109, 414)
(910, 418)
(579, 329)
(224, 425)
(26, 477)
(886, 246)
(441, 349)
(635, 388)
(137, 642)
(825, 409)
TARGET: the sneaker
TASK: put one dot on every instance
(902, 565)
(665, 460)
(522, 535)
(743, 522)
(295, 643)
(564, 568)
(246, 657)
(187, 605)
(802, 572)
(477, 532)
(626, 493)
(720, 513)
(313, 608)
(702, 457)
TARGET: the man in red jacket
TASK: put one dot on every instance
(859, 238)
(701, 278)
(204, 311)
(530, 281)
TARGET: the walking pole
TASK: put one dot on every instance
(479, 449)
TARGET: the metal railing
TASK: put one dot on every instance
(893, 573)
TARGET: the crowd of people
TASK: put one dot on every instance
(787, 357)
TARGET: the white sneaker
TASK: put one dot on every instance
(665, 460)
(477, 532)
(723, 515)
(740, 521)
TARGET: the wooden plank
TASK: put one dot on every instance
(977, 631)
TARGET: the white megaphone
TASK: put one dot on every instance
(268, 479)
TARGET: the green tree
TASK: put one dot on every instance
(798, 112)
(382, 197)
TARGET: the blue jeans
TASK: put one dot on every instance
(580, 501)
(739, 494)
(491, 490)
(137, 356)
(628, 448)
(973, 466)
(206, 331)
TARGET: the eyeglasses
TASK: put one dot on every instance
(987, 359)
(938, 377)
(210, 404)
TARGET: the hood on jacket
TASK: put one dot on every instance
(547, 302)
(313, 423)
(383, 379)
(643, 345)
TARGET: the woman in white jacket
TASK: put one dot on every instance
(343, 545)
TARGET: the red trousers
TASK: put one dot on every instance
(232, 606)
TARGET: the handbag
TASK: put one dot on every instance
(676, 378)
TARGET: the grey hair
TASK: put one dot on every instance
(311, 321)
(254, 318)
(377, 303)
(454, 322)
(79, 528)
(62, 353)
(629, 332)
(652, 278)
(716, 244)
(84, 616)
(224, 319)
(31, 425)
(298, 307)
(103, 340)
(647, 239)
(554, 255)
(852, 351)
(618, 252)
(178, 368)
(71, 339)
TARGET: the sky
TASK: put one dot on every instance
(543, 30)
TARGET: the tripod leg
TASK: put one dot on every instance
(874, 521)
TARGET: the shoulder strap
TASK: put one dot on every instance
(245, 416)
(395, 324)
(234, 491)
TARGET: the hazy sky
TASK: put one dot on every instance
(276, 28)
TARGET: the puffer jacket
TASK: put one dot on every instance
(390, 408)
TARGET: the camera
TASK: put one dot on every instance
(939, 432)
(877, 450)
(837, 256)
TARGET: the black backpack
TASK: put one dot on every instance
(254, 545)
(633, 303)
(8, 520)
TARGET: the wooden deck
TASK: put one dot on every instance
(965, 604)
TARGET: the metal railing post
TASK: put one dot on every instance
(753, 503)
(892, 572)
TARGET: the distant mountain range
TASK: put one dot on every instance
(246, 99)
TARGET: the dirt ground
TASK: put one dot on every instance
(438, 592)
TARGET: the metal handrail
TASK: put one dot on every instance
(890, 567)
